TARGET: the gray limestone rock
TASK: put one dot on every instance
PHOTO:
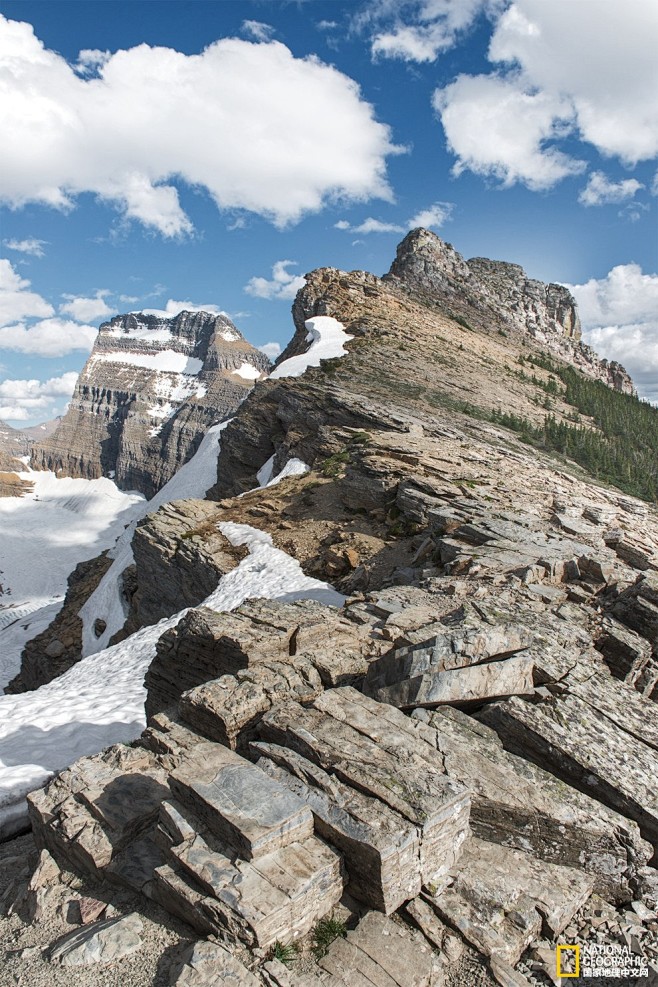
(239, 803)
(519, 804)
(209, 964)
(100, 943)
(408, 778)
(501, 899)
(381, 849)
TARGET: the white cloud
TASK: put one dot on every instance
(498, 130)
(624, 295)
(654, 185)
(48, 338)
(258, 30)
(16, 302)
(434, 216)
(283, 285)
(599, 191)
(586, 70)
(418, 30)
(174, 308)
(271, 350)
(30, 246)
(620, 320)
(371, 225)
(247, 122)
(327, 25)
(21, 400)
(90, 60)
(87, 309)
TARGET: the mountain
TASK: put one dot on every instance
(150, 389)
(405, 647)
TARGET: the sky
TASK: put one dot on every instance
(169, 155)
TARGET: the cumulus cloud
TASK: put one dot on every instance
(48, 338)
(620, 320)
(247, 122)
(599, 191)
(271, 350)
(174, 308)
(31, 246)
(258, 30)
(418, 30)
(16, 301)
(434, 216)
(507, 124)
(21, 400)
(283, 284)
(87, 309)
(498, 130)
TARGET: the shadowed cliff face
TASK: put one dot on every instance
(146, 396)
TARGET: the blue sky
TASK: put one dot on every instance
(161, 153)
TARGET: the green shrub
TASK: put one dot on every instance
(324, 934)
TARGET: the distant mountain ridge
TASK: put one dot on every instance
(149, 391)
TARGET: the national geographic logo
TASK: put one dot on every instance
(612, 960)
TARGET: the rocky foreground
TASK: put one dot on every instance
(448, 777)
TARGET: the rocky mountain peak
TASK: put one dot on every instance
(427, 265)
(149, 391)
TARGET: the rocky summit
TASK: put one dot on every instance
(146, 396)
(453, 771)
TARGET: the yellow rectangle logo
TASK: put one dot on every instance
(571, 952)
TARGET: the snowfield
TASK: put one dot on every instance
(44, 535)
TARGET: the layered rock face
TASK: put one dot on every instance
(467, 746)
(498, 296)
(149, 391)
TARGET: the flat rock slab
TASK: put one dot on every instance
(209, 964)
(410, 780)
(239, 802)
(445, 651)
(585, 748)
(383, 952)
(518, 804)
(501, 898)
(101, 943)
(472, 683)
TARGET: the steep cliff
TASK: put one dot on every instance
(498, 296)
(146, 396)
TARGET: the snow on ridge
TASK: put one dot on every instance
(327, 337)
(169, 361)
(230, 336)
(159, 334)
(191, 480)
(247, 371)
(100, 701)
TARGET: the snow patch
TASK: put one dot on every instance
(230, 336)
(106, 602)
(264, 474)
(168, 361)
(327, 337)
(247, 371)
(157, 335)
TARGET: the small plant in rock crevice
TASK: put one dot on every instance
(285, 953)
(324, 933)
